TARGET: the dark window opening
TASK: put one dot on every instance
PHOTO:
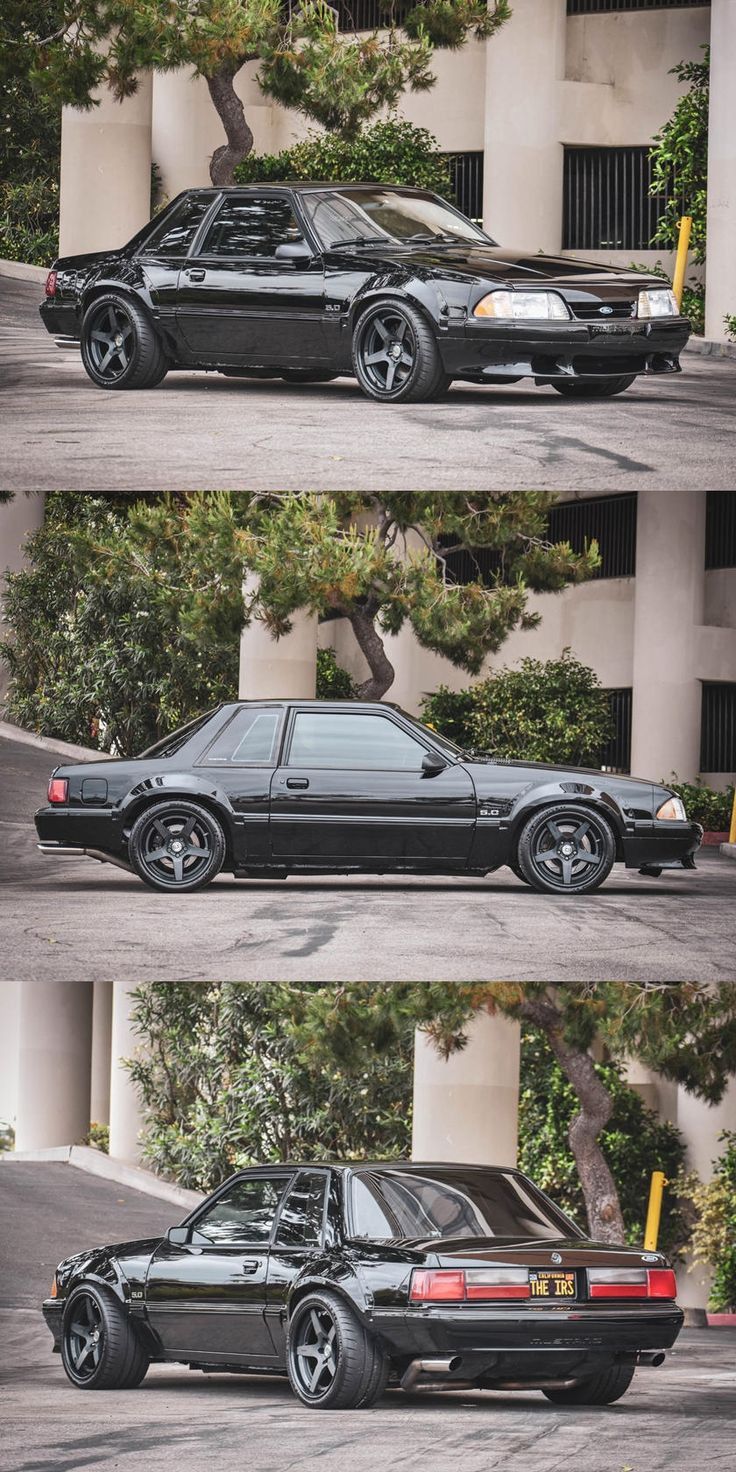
(718, 729)
(606, 199)
(616, 754)
(466, 182)
(720, 529)
(608, 520)
(607, 7)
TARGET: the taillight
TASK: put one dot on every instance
(58, 789)
(662, 1283)
(51, 284)
(632, 1283)
(456, 1285)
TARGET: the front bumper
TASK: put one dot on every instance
(552, 351)
(53, 1312)
(663, 845)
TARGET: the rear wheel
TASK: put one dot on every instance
(99, 1348)
(332, 1362)
(598, 1390)
(566, 850)
(177, 846)
(594, 388)
(120, 346)
(395, 355)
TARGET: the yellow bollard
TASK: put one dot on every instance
(683, 246)
(732, 833)
(654, 1210)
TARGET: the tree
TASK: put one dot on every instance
(679, 155)
(305, 63)
(30, 136)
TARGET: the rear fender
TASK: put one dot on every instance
(330, 1275)
(180, 784)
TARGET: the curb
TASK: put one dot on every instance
(707, 349)
(96, 1163)
(729, 850)
(49, 743)
(21, 272)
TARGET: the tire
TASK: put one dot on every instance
(305, 375)
(177, 846)
(115, 1358)
(354, 1378)
(566, 849)
(395, 355)
(120, 345)
(594, 388)
(598, 1390)
(517, 870)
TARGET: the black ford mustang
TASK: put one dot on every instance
(274, 787)
(348, 1277)
(392, 285)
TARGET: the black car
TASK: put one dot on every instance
(351, 1277)
(392, 285)
(268, 788)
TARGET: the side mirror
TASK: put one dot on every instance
(432, 764)
(178, 1236)
(296, 251)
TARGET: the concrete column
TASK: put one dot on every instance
(126, 1114)
(19, 518)
(658, 1093)
(668, 612)
(54, 1052)
(186, 129)
(720, 296)
(525, 65)
(278, 667)
(9, 1022)
(105, 184)
(466, 1108)
(99, 1106)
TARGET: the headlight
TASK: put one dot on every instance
(531, 305)
(673, 810)
(657, 304)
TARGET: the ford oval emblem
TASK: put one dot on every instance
(556, 1257)
(606, 311)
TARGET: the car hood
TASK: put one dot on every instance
(498, 263)
(483, 769)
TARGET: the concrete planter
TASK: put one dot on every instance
(721, 1321)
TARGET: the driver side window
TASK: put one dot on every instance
(252, 226)
(245, 1213)
(341, 739)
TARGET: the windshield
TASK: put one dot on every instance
(387, 215)
(172, 743)
(452, 1201)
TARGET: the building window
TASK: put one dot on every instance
(616, 754)
(610, 520)
(718, 729)
(606, 199)
(368, 15)
(720, 530)
(466, 182)
(606, 7)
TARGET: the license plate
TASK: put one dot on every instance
(544, 1283)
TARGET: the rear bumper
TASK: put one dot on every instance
(564, 350)
(665, 845)
(53, 1312)
(61, 319)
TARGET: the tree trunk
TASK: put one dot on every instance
(371, 643)
(232, 116)
(605, 1218)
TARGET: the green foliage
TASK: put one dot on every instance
(333, 682)
(730, 326)
(680, 158)
(235, 1073)
(634, 1143)
(546, 710)
(393, 152)
(30, 137)
(99, 1137)
(714, 1230)
(705, 805)
(29, 220)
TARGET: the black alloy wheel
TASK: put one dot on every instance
(177, 846)
(120, 346)
(566, 850)
(84, 1338)
(593, 388)
(99, 1348)
(395, 355)
(332, 1363)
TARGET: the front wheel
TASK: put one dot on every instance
(120, 346)
(597, 1390)
(177, 846)
(332, 1362)
(99, 1348)
(566, 850)
(594, 388)
(395, 355)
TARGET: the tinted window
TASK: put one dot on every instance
(176, 739)
(342, 740)
(249, 737)
(174, 236)
(452, 1203)
(245, 1212)
(386, 215)
(302, 1215)
(252, 227)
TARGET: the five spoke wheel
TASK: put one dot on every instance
(111, 340)
(395, 354)
(177, 845)
(85, 1337)
(333, 1363)
(121, 346)
(387, 350)
(566, 849)
(316, 1352)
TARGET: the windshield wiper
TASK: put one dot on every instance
(439, 239)
(361, 240)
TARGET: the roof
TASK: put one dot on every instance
(384, 1165)
(303, 186)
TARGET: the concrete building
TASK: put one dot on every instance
(550, 122)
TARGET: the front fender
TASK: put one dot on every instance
(422, 292)
(574, 791)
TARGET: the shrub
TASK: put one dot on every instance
(387, 153)
(730, 326)
(705, 805)
(714, 1230)
(29, 221)
(634, 1142)
(679, 156)
(546, 710)
(333, 682)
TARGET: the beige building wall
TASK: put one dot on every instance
(19, 518)
(105, 181)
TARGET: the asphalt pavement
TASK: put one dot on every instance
(678, 1418)
(202, 431)
(63, 919)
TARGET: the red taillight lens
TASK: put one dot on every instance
(456, 1285)
(58, 789)
(662, 1283)
(618, 1290)
(51, 284)
(437, 1285)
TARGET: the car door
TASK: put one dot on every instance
(305, 1229)
(239, 301)
(206, 1296)
(164, 252)
(352, 793)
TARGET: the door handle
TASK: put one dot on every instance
(250, 1265)
(297, 781)
(197, 275)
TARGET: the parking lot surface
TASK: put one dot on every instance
(66, 917)
(679, 1418)
(201, 431)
